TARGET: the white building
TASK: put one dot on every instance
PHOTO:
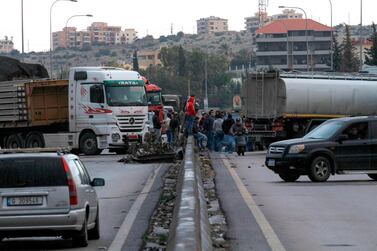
(6, 45)
(128, 36)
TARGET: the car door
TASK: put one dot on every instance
(91, 195)
(353, 153)
(373, 142)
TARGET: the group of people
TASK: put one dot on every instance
(170, 124)
(214, 130)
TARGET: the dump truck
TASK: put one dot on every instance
(173, 100)
(283, 106)
(96, 108)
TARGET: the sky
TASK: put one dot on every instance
(154, 17)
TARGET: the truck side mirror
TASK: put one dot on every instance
(80, 75)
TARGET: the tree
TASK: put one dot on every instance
(337, 55)
(349, 60)
(135, 62)
(181, 62)
(371, 53)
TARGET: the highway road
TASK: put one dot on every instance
(126, 203)
(265, 213)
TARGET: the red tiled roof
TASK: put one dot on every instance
(281, 26)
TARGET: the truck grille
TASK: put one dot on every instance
(276, 149)
(131, 123)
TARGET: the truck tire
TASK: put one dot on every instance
(289, 176)
(14, 141)
(373, 176)
(34, 140)
(88, 144)
(320, 169)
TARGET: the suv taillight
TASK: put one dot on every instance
(71, 184)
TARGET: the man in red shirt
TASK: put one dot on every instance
(190, 114)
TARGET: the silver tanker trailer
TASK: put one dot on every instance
(282, 106)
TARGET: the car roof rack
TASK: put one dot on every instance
(58, 150)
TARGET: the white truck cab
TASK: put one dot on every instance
(108, 108)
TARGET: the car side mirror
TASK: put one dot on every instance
(98, 182)
(342, 138)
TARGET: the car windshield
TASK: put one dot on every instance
(324, 131)
(154, 98)
(118, 95)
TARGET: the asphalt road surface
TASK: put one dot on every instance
(265, 213)
(121, 200)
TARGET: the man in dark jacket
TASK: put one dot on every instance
(228, 134)
(208, 129)
(157, 125)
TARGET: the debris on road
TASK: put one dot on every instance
(216, 216)
(156, 237)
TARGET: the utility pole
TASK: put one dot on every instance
(22, 30)
(361, 35)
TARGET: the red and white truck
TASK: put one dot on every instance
(96, 108)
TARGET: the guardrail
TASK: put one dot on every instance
(190, 229)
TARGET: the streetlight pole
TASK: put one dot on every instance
(332, 39)
(66, 27)
(22, 29)
(306, 32)
(361, 35)
(51, 39)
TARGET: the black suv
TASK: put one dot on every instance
(338, 146)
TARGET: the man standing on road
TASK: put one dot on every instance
(218, 131)
(157, 126)
(208, 130)
(228, 134)
(174, 127)
(190, 114)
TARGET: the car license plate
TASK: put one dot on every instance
(25, 201)
(271, 162)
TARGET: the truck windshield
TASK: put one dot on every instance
(154, 98)
(118, 95)
(324, 131)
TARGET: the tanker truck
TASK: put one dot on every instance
(96, 108)
(283, 106)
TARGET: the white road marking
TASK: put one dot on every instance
(271, 237)
(125, 228)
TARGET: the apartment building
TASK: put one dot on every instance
(253, 23)
(6, 45)
(211, 25)
(101, 33)
(69, 37)
(149, 57)
(128, 36)
(282, 44)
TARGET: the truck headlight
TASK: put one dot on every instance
(115, 137)
(296, 149)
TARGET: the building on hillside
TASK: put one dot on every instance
(282, 44)
(253, 23)
(69, 37)
(128, 36)
(101, 33)
(365, 44)
(211, 25)
(148, 58)
(6, 45)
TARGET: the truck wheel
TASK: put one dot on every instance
(289, 176)
(13, 142)
(373, 176)
(88, 144)
(34, 140)
(320, 169)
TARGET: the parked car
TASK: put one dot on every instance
(338, 146)
(48, 194)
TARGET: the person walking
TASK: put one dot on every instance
(190, 114)
(228, 134)
(174, 127)
(218, 131)
(167, 122)
(208, 130)
(157, 126)
(239, 131)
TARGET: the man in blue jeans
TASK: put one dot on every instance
(229, 141)
(190, 114)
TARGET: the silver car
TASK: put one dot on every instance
(48, 194)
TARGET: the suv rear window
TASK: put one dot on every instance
(32, 172)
